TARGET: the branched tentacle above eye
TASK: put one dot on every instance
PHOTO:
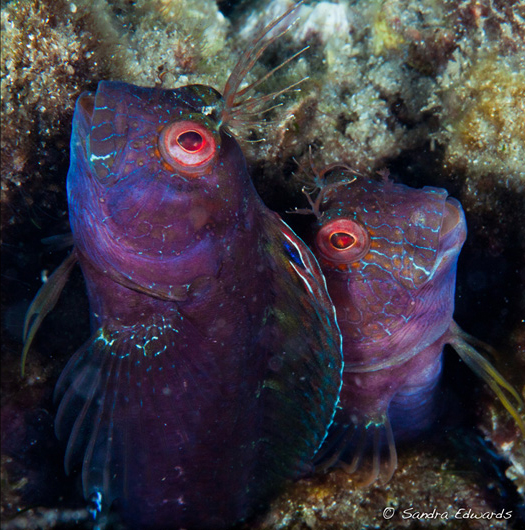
(317, 181)
(236, 109)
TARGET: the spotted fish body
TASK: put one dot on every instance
(389, 254)
(214, 366)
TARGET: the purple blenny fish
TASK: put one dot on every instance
(389, 255)
(215, 363)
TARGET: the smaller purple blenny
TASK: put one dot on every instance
(389, 255)
(215, 364)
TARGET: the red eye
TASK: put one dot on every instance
(188, 147)
(343, 241)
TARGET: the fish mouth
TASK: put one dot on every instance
(452, 216)
(86, 102)
(453, 230)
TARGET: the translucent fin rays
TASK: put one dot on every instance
(462, 342)
(44, 302)
(358, 442)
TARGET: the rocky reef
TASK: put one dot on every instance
(433, 90)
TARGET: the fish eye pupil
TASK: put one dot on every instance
(341, 240)
(190, 141)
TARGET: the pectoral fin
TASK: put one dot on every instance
(462, 342)
(359, 449)
(44, 301)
